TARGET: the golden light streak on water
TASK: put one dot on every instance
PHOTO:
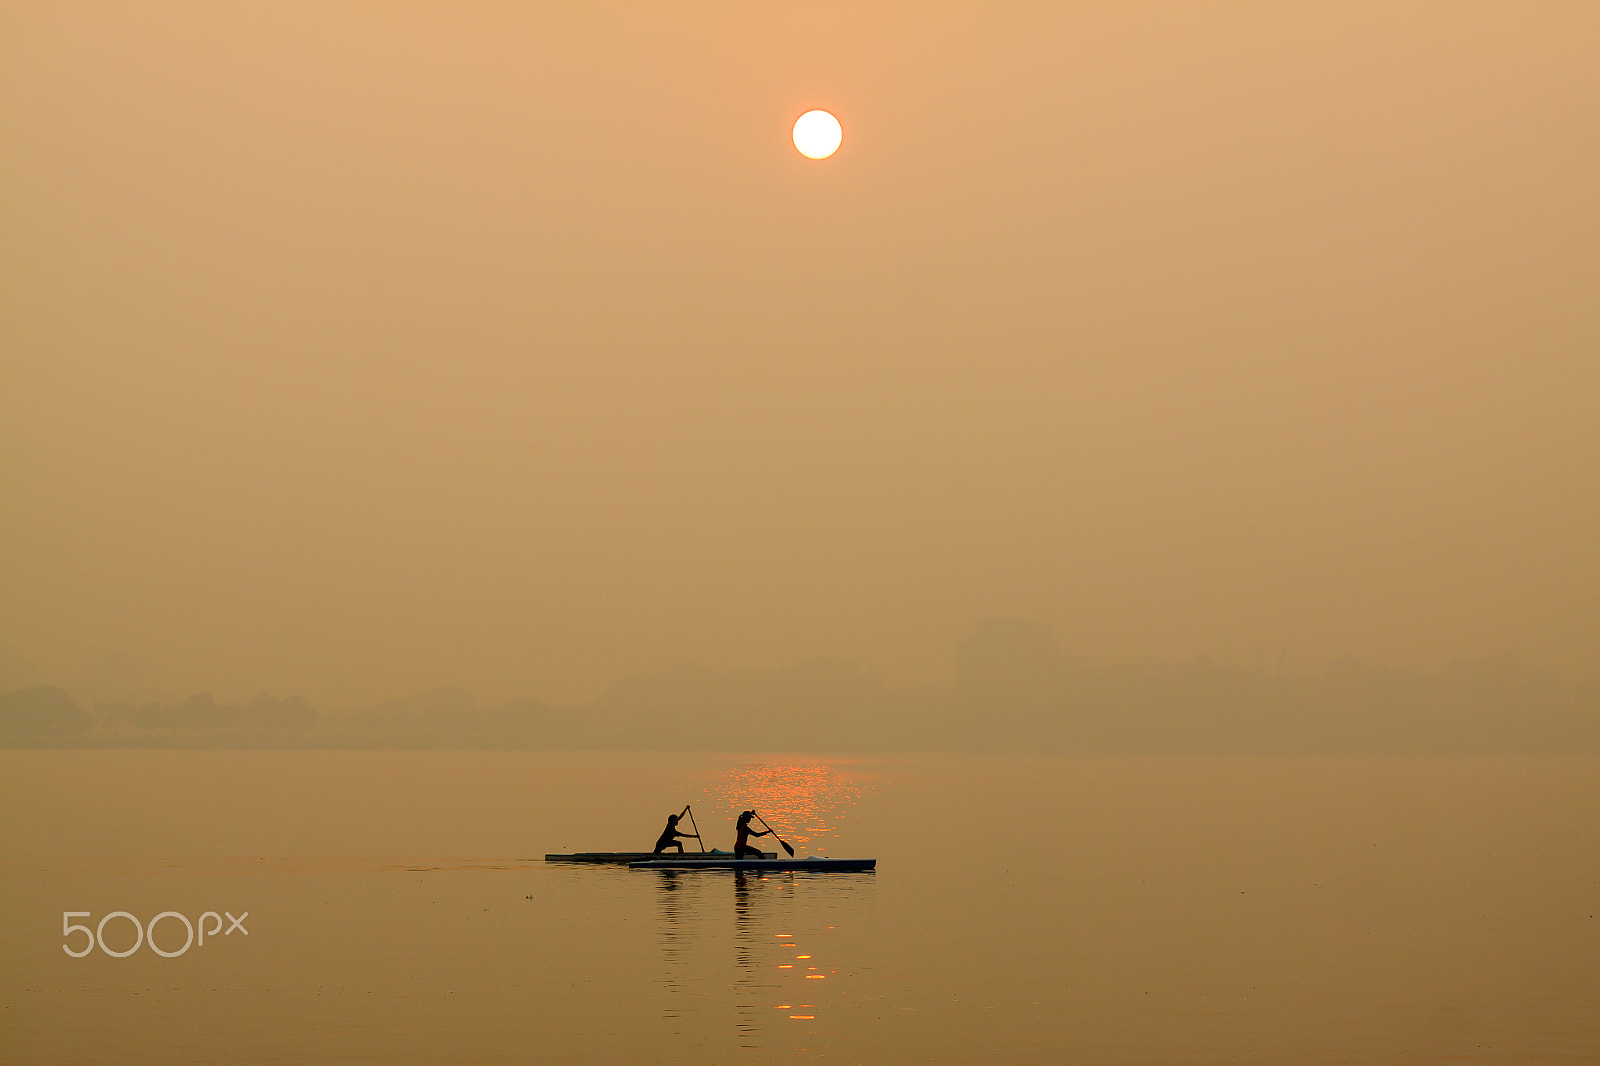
(802, 802)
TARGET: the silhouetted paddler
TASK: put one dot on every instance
(670, 836)
(741, 842)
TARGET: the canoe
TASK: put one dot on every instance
(619, 858)
(724, 863)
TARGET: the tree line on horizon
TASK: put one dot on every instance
(1014, 692)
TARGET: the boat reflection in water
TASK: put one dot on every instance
(669, 912)
(750, 991)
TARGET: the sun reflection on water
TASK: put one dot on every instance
(803, 802)
(783, 922)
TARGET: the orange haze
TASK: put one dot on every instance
(355, 349)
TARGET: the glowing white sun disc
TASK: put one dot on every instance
(817, 134)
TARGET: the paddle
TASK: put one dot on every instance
(690, 812)
(775, 836)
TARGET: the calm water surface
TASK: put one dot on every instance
(1083, 909)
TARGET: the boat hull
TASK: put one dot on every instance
(834, 865)
(622, 858)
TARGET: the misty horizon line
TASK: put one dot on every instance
(1034, 640)
(1013, 690)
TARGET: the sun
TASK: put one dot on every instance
(817, 134)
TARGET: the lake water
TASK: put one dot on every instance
(1089, 909)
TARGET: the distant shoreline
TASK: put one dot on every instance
(1009, 705)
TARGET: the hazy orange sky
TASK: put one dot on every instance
(351, 349)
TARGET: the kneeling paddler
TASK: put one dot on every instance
(670, 837)
(741, 842)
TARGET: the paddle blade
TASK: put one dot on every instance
(775, 836)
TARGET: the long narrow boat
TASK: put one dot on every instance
(621, 858)
(725, 863)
